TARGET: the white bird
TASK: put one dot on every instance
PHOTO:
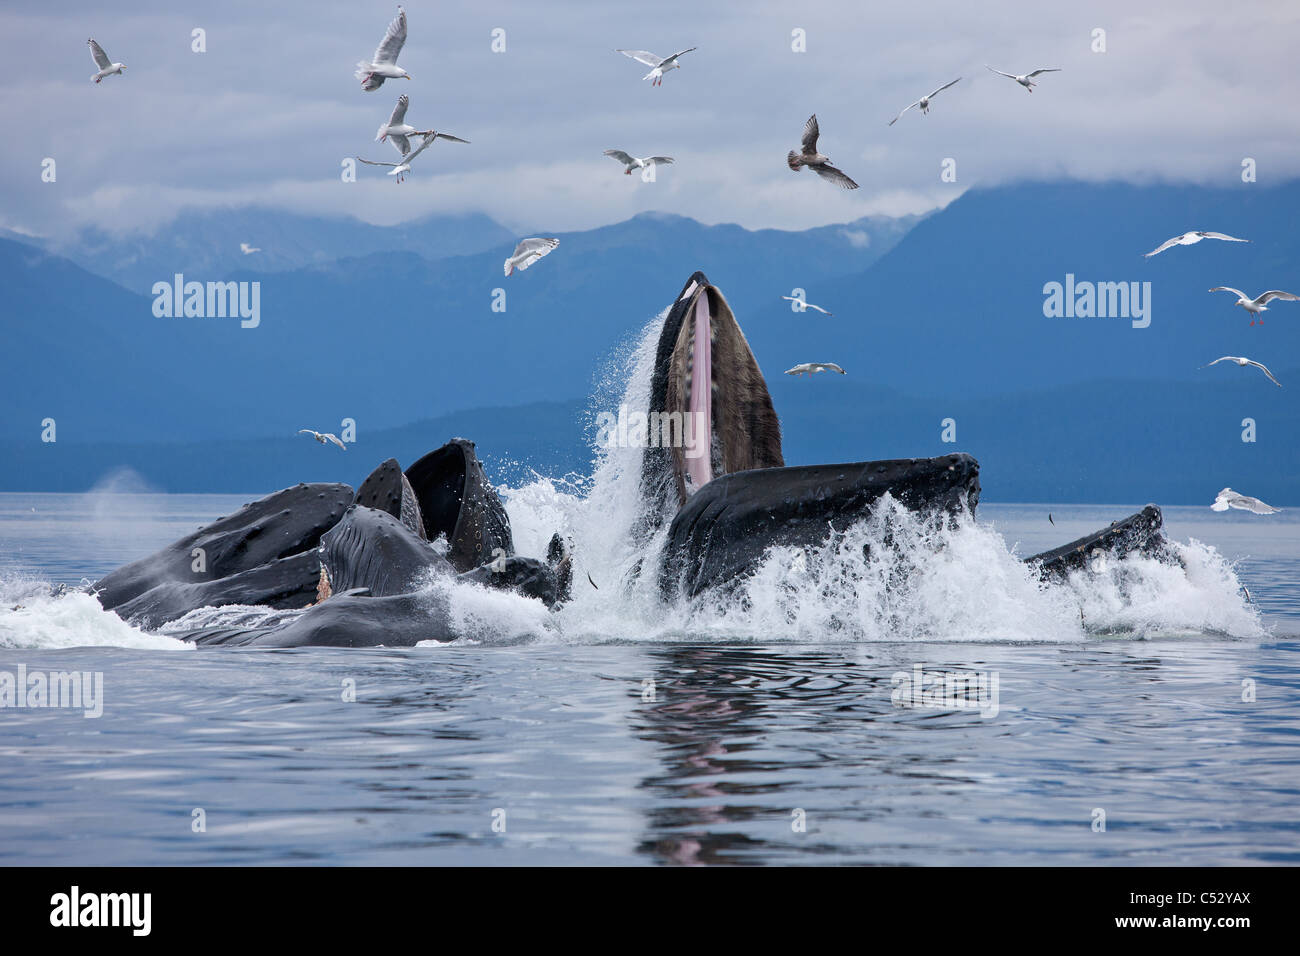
(804, 304)
(810, 368)
(923, 102)
(403, 147)
(1024, 79)
(384, 65)
(323, 437)
(1258, 304)
(397, 125)
(1227, 498)
(660, 65)
(1243, 362)
(246, 249)
(106, 66)
(1190, 239)
(819, 164)
(631, 162)
(529, 251)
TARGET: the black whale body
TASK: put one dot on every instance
(360, 564)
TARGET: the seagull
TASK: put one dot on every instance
(403, 146)
(397, 124)
(1190, 239)
(384, 65)
(660, 66)
(323, 438)
(809, 368)
(1243, 362)
(819, 164)
(804, 304)
(1227, 498)
(631, 162)
(923, 102)
(1023, 79)
(246, 249)
(1258, 304)
(106, 66)
(529, 251)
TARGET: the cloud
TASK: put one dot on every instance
(267, 114)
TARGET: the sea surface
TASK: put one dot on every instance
(1142, 715)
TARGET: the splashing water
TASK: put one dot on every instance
(894, 576)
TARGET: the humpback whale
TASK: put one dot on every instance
(367, 568)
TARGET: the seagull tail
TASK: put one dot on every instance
(793, 161)
(509, 267)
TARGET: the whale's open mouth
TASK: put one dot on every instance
(709, 404)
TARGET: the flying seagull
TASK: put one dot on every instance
(246, 249)
(1190, 239)
(810, 368)
(1259, 303)
(631, 162)
(397, 125)
(403, 147)
(1243, 362)
(805, 304)
(1227, 498)
(659, 66)
(323, 437)
(923, 102)
(529, 251)
(819, 164)
(1024, 79)
(384, 65)
(106, 66)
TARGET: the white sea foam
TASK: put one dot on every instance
(893, 576)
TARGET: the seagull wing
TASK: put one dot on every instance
(533, 249)
(335, 439)
(1261, 367)
(901, 112)
(428, 141)
(99, 56)
(832, 367)
(810, 133)
(809, 305)
(1226, 358)
(1036, 72)
(1163, 246)
(942, 88)
(454, 139)
(1009, 76)
(660, 160)
(371, 162)
(400, 142)
(1269, 296)
(621, 156)
(1219, 235)
(828, 172)
(308, 431)
(1227, 288)
(399, 111)
(673, 58)
(393, 39)
(642, 56)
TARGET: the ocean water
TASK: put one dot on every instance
(1137, 713)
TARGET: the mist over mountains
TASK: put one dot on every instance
(941, 318)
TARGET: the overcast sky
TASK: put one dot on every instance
(1184, 91)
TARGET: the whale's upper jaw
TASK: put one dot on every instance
(706, 377)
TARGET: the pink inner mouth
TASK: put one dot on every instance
(700, 407)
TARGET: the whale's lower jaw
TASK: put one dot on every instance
(722, 533)
(709, 397)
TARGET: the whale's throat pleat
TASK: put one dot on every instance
(716, 399)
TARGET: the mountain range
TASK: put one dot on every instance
(936, 318)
